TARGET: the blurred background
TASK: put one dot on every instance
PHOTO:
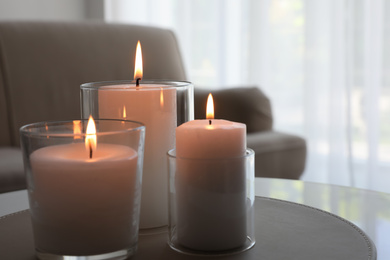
(325, 65)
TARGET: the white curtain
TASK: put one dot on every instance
(323, 64)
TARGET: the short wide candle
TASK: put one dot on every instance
(83, 206)
(210, 185)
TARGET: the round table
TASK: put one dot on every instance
(283, 230)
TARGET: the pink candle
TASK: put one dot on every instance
(220, 139)
(210, 138)
(76, 199)
(211, 185)
(155, 106)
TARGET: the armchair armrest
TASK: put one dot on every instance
(278, 155)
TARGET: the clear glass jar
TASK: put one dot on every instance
(84, 199)
(161, 106)
(211, 204)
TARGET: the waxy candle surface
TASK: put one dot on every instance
(210, 183)
(84, 206)
(220, 139)
(155, 107)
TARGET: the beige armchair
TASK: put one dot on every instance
(43, 64)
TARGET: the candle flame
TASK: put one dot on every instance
(138, 68)
(77, 129)
(210, 107)
(90, 138)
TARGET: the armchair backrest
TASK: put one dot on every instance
(43, 64)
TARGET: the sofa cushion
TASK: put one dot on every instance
(12, 175)
(246, 105)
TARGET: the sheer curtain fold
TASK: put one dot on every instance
(338, 136)
(373, 54)
(321, 62)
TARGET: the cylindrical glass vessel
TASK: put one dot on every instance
(161, 106)
(84, 199)
(211, 203)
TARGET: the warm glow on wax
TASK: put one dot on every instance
(210, 107)
(47, 129)
(77, 129)
(138, 62)
(124, 112)
(90, 139)
(161, 98)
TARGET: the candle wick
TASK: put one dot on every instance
(90, 150)
(137, 82)
(209, 121)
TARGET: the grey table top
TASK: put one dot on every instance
(283, 230)
(368, 210)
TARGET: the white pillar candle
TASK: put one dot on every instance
(202, 140)
(155, 107)
(211, 185)
(84, 206)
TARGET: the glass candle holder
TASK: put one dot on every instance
(211, 204)
(161, 106)
(84, 200)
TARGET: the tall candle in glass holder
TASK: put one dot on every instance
(211, 184)
(142, 104)
(159, 106)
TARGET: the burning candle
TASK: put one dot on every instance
(155, 106)
(210, 138)
(211, 184)
(84, 197)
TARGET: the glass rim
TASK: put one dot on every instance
(248, 153)
(25, 130)
(130, 84)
